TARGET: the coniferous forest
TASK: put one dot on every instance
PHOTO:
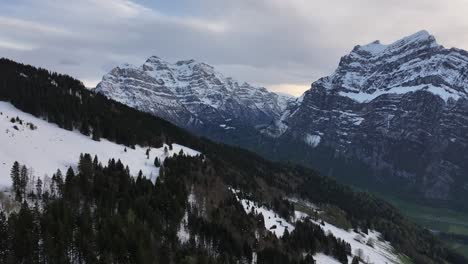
(99, 213)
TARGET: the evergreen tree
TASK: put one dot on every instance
(4, 246)
(23, 180)
(84, 129)
(59, 183)
(96, 133)
(70, 175)
(16, 180)
(39, 188)
(157, 163)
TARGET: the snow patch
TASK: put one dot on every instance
(312, 140)
(183, 233)
(321, 258)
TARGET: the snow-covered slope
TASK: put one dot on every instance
(273, 222)
(45, 147)
(370, 247)
(191, 94)
(401, 109)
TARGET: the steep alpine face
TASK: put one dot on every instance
(192, 95)
(402, 109)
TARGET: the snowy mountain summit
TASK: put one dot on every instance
(413, 63)
(191, 94)
(401, 109)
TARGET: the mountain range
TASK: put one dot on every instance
(392, 114)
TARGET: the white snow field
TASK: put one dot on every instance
(48, 148)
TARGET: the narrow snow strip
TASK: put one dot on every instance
(321, 258)
(49, 148)
(362, 97)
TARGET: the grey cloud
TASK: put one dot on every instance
(69, 62)
(266, 42)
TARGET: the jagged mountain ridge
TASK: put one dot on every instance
(191, 94)
(402, 109)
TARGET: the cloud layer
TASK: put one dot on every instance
(283, 45)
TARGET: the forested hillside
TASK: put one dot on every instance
(100, 214)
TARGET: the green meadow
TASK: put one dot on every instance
(438, 220)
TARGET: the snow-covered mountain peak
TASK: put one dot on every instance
(416, 62)
(189, 93)
(419, 40)
(384, 102)
(420, 36)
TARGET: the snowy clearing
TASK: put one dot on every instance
(48, 148)
(273, 222)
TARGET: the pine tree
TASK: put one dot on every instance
(16, 180)
(23, 180)
(3, 238)
(96, 133)
(59, 182)
(157, 163)
(39, 188)
(84, 129)
(70, 175)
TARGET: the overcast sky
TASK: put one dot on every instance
(282, 45)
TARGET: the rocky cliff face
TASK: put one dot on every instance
(192, 95)
(402, 109)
